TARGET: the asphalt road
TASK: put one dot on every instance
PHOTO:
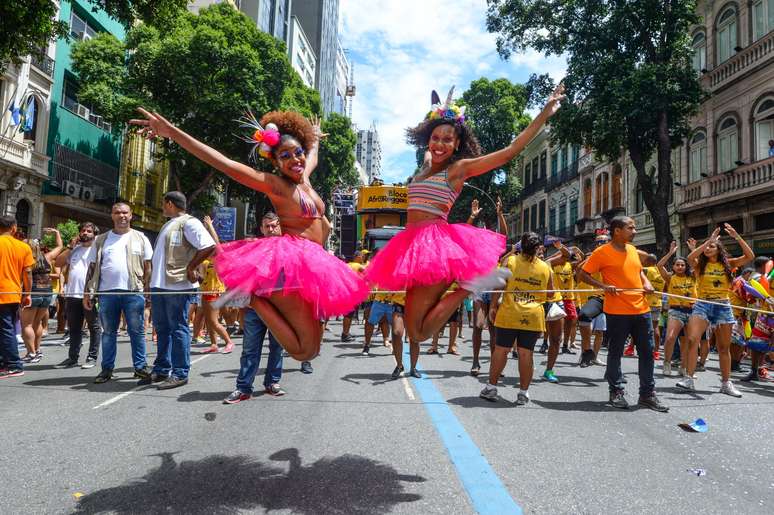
(347, 439)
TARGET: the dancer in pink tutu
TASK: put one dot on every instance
(431, 254)
(294, 282)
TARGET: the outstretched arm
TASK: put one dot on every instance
(155, 125)
(312, 154)
(748, 256)
(661, 265)
(474, 211)
(693, 257)
(503, 224)
(207, 222)
(480, 165)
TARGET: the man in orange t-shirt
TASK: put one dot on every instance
(626, 309)
(15, 276)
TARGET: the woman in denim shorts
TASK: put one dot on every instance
(712, 269)
(680, 281)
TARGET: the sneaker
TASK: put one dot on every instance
(275, 390)
(586, 359)
(142, 373)
(37, 357)
(396, 373)
(567, 350)
(11, 372)
(306, 367)
(346, 338)
(67, 363)
(28, 358)
(228, 349)
(598, 362)
(199, 340)
(686, 384)
(618, 400)
(549, 376)
(667, 369)
(415, 373)
(652, 402)
(152, 378)
(172, 382)
(752, 376)
(729, 389)
(494, 280)
(104, 376)
(89, 363)
(543, 348)
(683, 372)
(489, 393)
(522, 398)
(364, 351)
(236, 396)
(735, 366)
(700, 367)
(629, 352)
(656, 355)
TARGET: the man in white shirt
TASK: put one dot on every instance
(182, 245)
(119, 275)
(77, 256)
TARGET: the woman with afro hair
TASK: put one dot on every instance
(431, 254)
(293, 281)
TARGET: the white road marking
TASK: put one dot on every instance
(407, 388)
(137, 388)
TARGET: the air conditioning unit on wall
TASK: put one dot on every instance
(71, 189)
(83, 111)
(87, 194)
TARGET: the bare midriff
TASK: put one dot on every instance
(313, 229)
(416, 216)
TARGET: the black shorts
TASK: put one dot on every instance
(398, 308)
(523, 339)
(455, 317)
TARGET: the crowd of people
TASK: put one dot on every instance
(286, 284)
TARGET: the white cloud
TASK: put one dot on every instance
(403, 49)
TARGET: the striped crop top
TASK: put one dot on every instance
(432, 195)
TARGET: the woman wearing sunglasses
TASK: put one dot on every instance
(294, 282)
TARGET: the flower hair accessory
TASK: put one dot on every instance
(263, 139)
(447, 110)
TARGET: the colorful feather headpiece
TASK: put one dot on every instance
(447, 110)
(263, 139)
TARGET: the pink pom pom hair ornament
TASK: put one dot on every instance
(447, 110)
(263, 139)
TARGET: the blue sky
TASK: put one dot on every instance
(403, 49)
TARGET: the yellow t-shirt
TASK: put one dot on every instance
(524, 311)
(356, 267)
(658, 283)
(398, 298)
(583, 296)
(685, 286)
(564, 279)
(713, 283)
(211, 281)
(380, 297)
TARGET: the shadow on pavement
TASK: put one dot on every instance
(375, 378)
(587, 406)
(478, 402)
(346, 484)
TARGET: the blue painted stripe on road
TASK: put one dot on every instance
(486, 491)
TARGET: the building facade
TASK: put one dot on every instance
(84, 149)
(25, 94)
(727, 163)
(320, 21)
(344, 86)
(368, 152)
(301, 53)
(144, 180)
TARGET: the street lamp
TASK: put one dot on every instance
(487, 196)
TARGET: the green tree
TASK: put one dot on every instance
(68, 230)
(336, 166)
(495, 111)
(629, 83)
(26, 26)
(203, 72)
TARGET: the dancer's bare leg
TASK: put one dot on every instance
(427, 312)
(293, 323)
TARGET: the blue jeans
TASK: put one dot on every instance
(9, 350)
(110, 308)
(170, 318)
(252, 345)
(619, 327)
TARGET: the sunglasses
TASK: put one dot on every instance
(298, 152)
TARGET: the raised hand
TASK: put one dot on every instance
(474, 209)
(730, 231)
(715, 234)
(672, 247)
(691, 244)
(555, 99)
(315, 121)
(207, 220)
(154, 125)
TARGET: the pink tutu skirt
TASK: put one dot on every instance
(435, 252)
(293, 266)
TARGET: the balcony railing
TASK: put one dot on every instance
(566, 174)
(741, 182)
(43, 63)
(751, 56)
(533, 187)
(86, 173)
(23, 155)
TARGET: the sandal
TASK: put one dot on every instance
(474, 371)
(209, 350)
(432, 351)
(453, 352)
(396, 373)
